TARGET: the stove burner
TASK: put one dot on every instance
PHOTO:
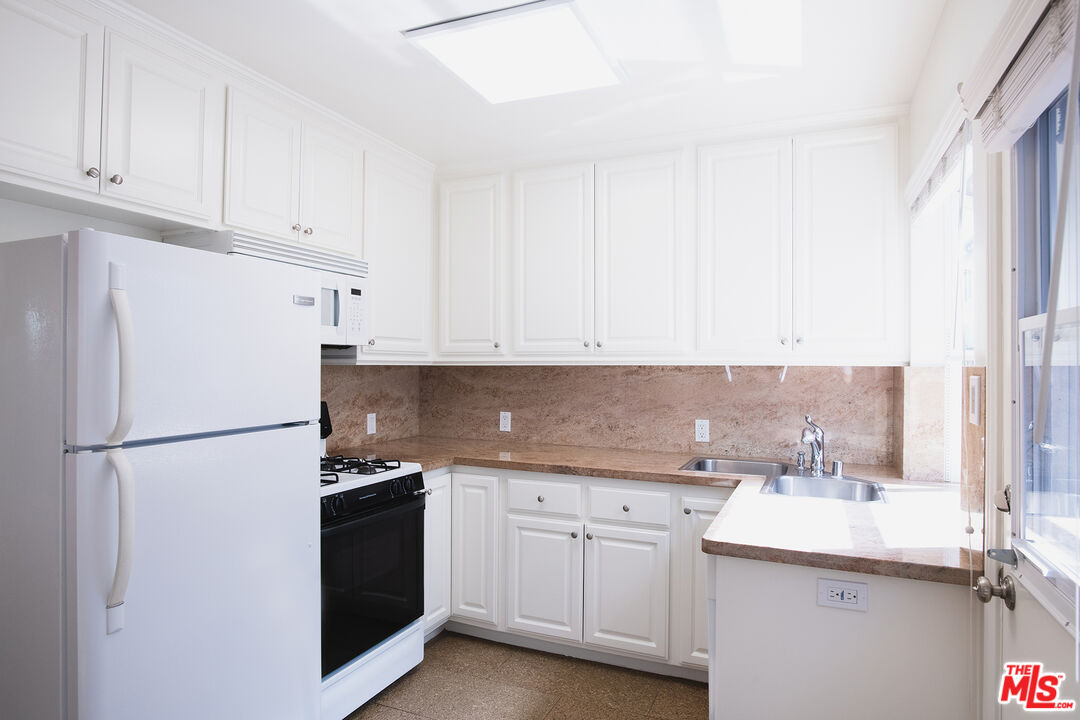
(332, 466)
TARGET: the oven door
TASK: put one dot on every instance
(372, 579)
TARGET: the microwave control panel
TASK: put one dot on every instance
(357, 315)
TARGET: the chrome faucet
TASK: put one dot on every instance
(814, 436)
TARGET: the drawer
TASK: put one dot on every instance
(633, 506)
(543, 496)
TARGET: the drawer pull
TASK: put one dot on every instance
(626, 508)
(539, 498)
(574, 534)
(687, 511)
(588, 536)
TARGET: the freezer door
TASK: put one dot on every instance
(222, 610)
(218, 342)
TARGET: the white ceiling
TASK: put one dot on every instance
(349, 55)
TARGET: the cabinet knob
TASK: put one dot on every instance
(539, 498)
(798, 341)
(573, 534)
(687, 511)
(588, 536)
(783, 341)
(371, 341)
(296, 227)
(117, 179)
(586, 343)
(599, 344)
(496, 343)
(93, 172)
(626, 508)
(308, 231)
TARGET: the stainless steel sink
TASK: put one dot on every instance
(736, 467)
(837, 488)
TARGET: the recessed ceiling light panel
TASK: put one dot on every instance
(527, 51)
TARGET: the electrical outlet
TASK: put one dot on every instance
(701, 431)
(842, 594)
(371, 423)
(504, 422)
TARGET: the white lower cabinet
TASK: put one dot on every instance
(626, 589)
(437, 551)
(474, 547)
(543, 576)
(611, 565)
(691, 619)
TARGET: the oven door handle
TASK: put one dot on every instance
(336, 525)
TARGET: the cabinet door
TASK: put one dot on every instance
(437, 551)
(50, 82)
(850, 258)
(638, 255)
(626, 589)
(262, 185)
(331, 191)
(470, 266)
(474, 554)
(398, 245)
(543, 576)
(745, 249)
(553, 261)
(691, 612)
(165, 129)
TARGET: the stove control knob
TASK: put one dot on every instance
(395, 488)
(338, 505)
(410, 485)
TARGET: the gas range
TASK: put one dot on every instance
(338, 473)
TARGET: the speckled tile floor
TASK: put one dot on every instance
(463, 678)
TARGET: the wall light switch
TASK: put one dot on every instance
(701, 431)
(504, 422)
(842, 594)
(371, 423)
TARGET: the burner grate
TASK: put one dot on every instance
(333, 465)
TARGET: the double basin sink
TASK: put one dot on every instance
(780, 480)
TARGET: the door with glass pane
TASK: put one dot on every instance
(1045, 467)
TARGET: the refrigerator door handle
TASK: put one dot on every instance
(125, 490)
(125, 335)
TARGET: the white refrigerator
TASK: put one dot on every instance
(159, 495)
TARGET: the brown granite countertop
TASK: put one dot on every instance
(918, 534)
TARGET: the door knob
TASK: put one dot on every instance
(308, 231)
(371, 341)
(783, 341)
(93, 172)
(296, 227)
(626, 508)
(687, 511)
(599, 344)
(573, 534)
(117, 179)
(496, 344)
(588, 536)
(539, 498)
(586, 343)
(1005, 589)
(798, 341)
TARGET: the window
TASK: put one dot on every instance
(1046, 506)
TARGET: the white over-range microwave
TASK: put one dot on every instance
(343, 302)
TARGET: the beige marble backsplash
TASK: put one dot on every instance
(392, 393)
(654, 408)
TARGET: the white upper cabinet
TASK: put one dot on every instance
(262, 187)
(331, 191)
(398, 245)
(745, 250)
(470, 266)
(638, 255)
(553, 261)
(850, 299)
(291, 178)
(50, 82)
(165, 117)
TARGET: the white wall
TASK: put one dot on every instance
(777, 654)
(19, 221)
(961, 35)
